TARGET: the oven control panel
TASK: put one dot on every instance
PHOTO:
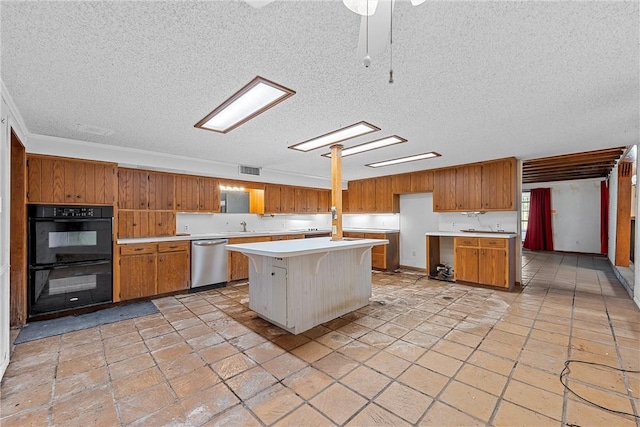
(58, 211)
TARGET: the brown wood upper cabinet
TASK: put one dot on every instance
(141, 189)
(272, 199)
(422, 181)
(61, 180)
(480, 186)
(197, 194)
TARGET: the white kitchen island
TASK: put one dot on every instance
(299, 284)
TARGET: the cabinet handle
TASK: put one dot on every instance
(160, 259)
(69, 196)
(173, 246)
(138, 249)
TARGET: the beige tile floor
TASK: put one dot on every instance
(423, 353)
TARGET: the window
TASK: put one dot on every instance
(524, 208)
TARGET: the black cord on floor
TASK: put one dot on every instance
(566, 372)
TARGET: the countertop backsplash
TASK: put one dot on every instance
(195, 223)
(456, 221)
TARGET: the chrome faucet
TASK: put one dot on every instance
(244, 226)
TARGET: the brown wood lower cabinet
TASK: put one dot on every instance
(239, 263)
(148, 269)
(486, 261)
(383, 257)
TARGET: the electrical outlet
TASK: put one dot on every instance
(413, 253)
(186, 227)
(498, 226)
(453, 224)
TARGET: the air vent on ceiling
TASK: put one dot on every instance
(249, 170)
(96, 130)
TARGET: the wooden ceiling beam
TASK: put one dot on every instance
(568, 171)
(599, 163)
(575, 160)
(561, 177)
(609, 152)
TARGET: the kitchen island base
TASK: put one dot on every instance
(300, 291)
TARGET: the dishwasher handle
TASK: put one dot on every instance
(210, 242)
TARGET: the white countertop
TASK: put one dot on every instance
(499, 235)
(233, 234)
(291, 248)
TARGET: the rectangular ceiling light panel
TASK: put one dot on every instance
(372, 145)
(404, 159)
(352, 131)
(255, 98)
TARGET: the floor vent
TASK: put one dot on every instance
(249, 170)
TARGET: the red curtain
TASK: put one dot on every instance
(604, 217)
(539, 235)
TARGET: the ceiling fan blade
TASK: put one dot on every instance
(258, 3)
(379, 25)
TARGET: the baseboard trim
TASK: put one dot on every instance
(406, 267)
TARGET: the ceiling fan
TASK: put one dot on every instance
(375, 25)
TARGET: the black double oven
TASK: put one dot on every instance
(70, 257)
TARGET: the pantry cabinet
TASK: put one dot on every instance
(61, 180)
(149, 269)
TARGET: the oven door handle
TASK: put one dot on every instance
(72, 219)
(61, 266)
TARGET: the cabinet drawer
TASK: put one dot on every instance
(379, 249)
(138, 249)
(375, 236)
(493, 243)
(173, 246)
(466, 241)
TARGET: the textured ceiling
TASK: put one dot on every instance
(473, 80)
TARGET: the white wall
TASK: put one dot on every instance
(10, 119)
(613, 218)
(416, 218)
(575, 217)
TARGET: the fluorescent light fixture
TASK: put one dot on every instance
(372, 145)
(231, 188)
(404, 159)
(356, 129)
(253, 99)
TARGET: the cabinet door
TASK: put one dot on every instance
(75, 186)
(99, 183)
(288, 199)
(384, 195)
(46, 180)
(272, 199)
(137, 276)
(161, 191)
(208, 195)
(401, 184)
(133, 189)
(238, 266)
(173, 271)
(493, 267)
(498, 185)
(355, 197)
(422, 182)
(133, 223)
(162, 223)
(187, 190)
(369, 195)
(444, 190)
(324, 201)
(312, 200)
(466, 264)
(345, 202)
(469, 188)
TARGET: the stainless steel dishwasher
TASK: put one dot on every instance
(208, 262)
